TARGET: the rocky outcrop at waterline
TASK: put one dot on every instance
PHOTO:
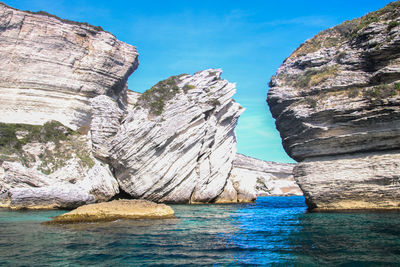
(252, 177)
(175, 143)
(263, 178)
(115, 210)
(50, 68)
(336, 104)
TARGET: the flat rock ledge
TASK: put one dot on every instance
(114, 210)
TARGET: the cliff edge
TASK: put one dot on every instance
(51, 67)
(336, 104)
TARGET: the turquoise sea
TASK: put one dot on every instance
(274, 231)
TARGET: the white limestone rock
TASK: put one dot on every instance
(253, 177)
(338, 96)
(50, 68)
(23, 187)
(47, 176)
(357, 181)
(183, 151)
(105, 123)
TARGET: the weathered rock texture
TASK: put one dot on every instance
(114, 210)
(38, 172)
(252, 177)
(176, 143)
(173, 143)
(270, 178)
(50, 68)
(336, 104)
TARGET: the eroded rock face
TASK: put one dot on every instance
(25, 188)
(356, 181)
(47, 174)
(51, 68)
(253, 177)
(174, 143)
(177, 143)
(337, 95)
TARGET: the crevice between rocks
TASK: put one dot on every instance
(121, 195)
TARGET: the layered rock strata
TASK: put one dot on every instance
(50, 68)
(270, 178)
(252, 177)
(176, 143)
(336, 103)
(115, 210)
(39, 172)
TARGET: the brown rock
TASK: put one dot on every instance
(114, 210)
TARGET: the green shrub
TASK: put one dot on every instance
(397, 86)
(313, 77)
(311, 102)
(67, 143)
(380, 92)
(349, 30)
(214, 102)
(52, 131)
(392, 24)
(188, 87)
(156, 97)
(353, 92)
(44, 13)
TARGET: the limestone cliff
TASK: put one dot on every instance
(336, 103)
(176, 142)
(55, 67)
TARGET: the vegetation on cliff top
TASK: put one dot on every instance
(44, 13)
(350, 30)
(67, 144)
(311, 77)
(157, 96)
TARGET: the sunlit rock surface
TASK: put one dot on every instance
(115, 210)
(50, 68)
(253, 177)
(177, 143)
(56, 173)
(336, 104)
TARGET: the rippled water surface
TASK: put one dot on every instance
(275, 230)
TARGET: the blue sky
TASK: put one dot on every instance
(247, 39)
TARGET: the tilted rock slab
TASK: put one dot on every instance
(114, 210)
(50, 68)
(181, 153)
(338, 96)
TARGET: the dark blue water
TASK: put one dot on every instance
(273, 231)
